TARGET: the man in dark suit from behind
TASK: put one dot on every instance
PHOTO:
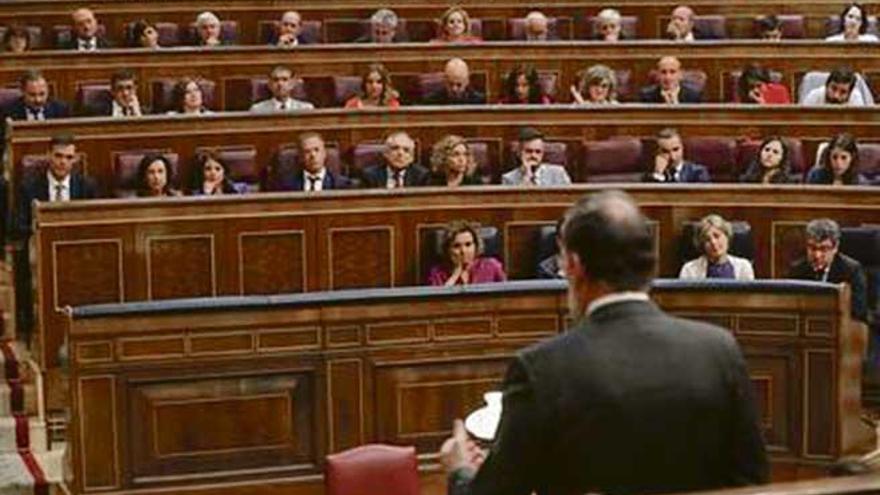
(629, 400)
(670, 89)
(824, 262)
(669, 164)
(314, 175)
(34, 103)
(457, 89)
(398, 170)
(85, 37)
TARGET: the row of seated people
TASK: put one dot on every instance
(283, 91)
(314, 166)
(453, 26)
(466, 253)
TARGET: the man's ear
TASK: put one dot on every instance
(572, 264)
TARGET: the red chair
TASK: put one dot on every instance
(718, 154)
(344, 87)
(9, 95)
(92, 96)
(711, 27)
(613, 160)
(228, 32)
(372, 470)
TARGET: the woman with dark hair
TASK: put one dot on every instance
(756, 86)
(772, 164)
(521, 86)
(839, 163)
(376, 90)
(455, 27)
(154, 177)
(211, 176)
(452, 163)
(188, 98)
(464, 264)
(144, 35)
(16, 39)
(853, 25)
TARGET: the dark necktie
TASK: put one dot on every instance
(37, 114)
(59, 192)
(313, 182)
(398, 179)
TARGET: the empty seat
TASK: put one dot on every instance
(9, 95)
(558, 28)
(93, 96)
(344, 87)
(125, 167)
(163, 94)
(228, 32)
(372, 469)
(311, 32)
(286, 164)
(613, 160)
(718, 154)
(747, 150)
(742, 244)
(710, 27)
(791, 26)
(629, 27)
(241, 163)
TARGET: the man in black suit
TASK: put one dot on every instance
(35, 103)
(123, 102)
(669, 164)
(630, 400)
(825, 263)
(58, 182)
(289, 32)
(398, 170)
(457, 89)
(384, 25)
(670, 89)
(314, 175)
(85, 36)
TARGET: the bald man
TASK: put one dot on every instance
(85, 37)
(456, 88)
(681, 24)
(290, 30)
(670, 88)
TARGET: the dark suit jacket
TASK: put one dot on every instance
(53, 109)
(844, 270)
(37, 187)
(71, 43)
(441, 97)
(331, 180)
(104, 108)
(690, 172)
(628, 401)
(651, 94)
(377, 176)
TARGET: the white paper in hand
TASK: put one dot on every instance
(483, 422)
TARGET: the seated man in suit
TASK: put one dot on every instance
(85, 36)
(398, 170)
(314, 176)
(289, 30)
(839, 89)
(456, 88)
(825, 263)
(532, 171)
(124, 98)
(59, 182)
(281, 81)
(681, 24)
(670, 89)
(383, 28)
(34, 103)
(536, 26)
(208, 30)
(630, 400)
(669, 163)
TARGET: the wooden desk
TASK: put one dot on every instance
(141, 250)
(208, 394)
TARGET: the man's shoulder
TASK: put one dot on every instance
(263, 106)
(850, 264)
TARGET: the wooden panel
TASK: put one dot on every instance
(180, 266)
(528, 325)
(99, 458)
(188, 425)
(345, 404)
(463, 328)
(789, 240)
(211, 345)
(819, 402)
(140, 348)
(272, 262)
(521, 253)
(89, 272)
(768, 324)
(397, 333)
(361, 257)
(299, 339)
(774, 376)
(94, 352)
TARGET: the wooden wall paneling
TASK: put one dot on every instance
(96, 419)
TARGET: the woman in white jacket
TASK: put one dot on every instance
(713, 239)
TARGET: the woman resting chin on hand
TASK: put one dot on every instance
(464, 265)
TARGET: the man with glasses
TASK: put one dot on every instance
(124, 100)
(824, 262)
(398, 170)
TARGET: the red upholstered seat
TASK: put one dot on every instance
(163, 94)
(869, 161)
(792, 26)
(310, 31)
(125, 167)
(718, 154)
(629, 27)
(287, 163)
(344, 87)
(241, 162)
(481, 152)
(93, 94)
(372, 470)
(418, 87)
(710, 26)
(9, 95)
(558, 28)
(547, 81)
(613, 160)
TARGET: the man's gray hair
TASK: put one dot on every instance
(821, 229)
(384, 17)
(206, 17)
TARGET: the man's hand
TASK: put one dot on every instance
(286, 40)
(459, 451)
(661, 163)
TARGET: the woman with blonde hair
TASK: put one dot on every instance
(452, 163)
(455, 27)
(712, 238)
(596, 85)
(376, 90)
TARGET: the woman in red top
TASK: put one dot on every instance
(757, 87)
(464, 264)
(376, 90)
(455, 27)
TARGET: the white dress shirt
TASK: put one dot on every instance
(616, 297)
(309, 185)
(87, 45)
(59, 190)
(391, 183)
(119, 110)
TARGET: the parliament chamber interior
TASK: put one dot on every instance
(264, 247)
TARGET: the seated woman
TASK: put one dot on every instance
(188, 98)
(853, 25)
(596, 85)
(452, 163)
(211, 176)
(455, 27)
(838, 163)
(609, 25)
(16, 39)
(770, 28)
(464, 264)
(144, 35)
(376, 90)
(756, 86)
(712, 238)
(154, 177)
(522, 86)
(772, 164)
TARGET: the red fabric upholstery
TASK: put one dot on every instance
(91, 94)
(710, 26)
(558, 28)
(372, 470)
(747, 150)
(613, 160)
(869, 161)
(718, 154)
(365, 155)
(9, 95)
(421, 85)
(629, 27)
(344, 87)
(241, 161)
(287, 163)
(163, 94)
(310, 31)
(547, 81)
(125, 167)
(731, 81)
(792, 26)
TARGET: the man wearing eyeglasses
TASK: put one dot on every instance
(124, 100)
